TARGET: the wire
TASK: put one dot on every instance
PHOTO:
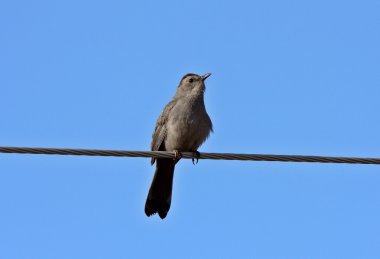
(167, 154)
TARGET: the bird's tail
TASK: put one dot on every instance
(160, 192)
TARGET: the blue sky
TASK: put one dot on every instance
(289, 77)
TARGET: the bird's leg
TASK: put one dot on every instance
(177, 155)
(196, 156)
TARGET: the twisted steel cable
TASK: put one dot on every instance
(166, 154)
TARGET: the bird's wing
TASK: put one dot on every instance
(159, 133)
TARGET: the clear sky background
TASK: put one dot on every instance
(289, 77)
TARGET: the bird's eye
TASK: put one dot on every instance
(191, 80)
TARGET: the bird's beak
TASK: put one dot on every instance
(204, 77)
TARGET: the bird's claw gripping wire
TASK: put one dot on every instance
(177, 155)
(196, 156)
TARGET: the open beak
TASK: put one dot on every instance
(205, 76)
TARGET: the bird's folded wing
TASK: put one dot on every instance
(159, 133)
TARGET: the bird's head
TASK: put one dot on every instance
(193, 84)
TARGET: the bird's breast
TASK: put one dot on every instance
(187, 127)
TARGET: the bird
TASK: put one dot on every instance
(182, 126)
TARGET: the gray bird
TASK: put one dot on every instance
(182, 127)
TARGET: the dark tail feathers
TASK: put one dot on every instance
(160, 192)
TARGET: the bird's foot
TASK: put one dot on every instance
(196, 156)
(177, 154)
